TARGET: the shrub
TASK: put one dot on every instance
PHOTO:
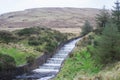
(35, 41)
(50, 46)
(28, 31)
(30, 59)
(6, 62)
(6, 36)
(86, 28)
(39, 49)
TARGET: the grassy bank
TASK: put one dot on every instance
(19, 54)
(79, 63)
(23, 46)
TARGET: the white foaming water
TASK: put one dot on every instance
(46, 78)
(49, 69)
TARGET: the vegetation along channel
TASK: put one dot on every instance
(60, 44)
(22, 48)
(52, 66)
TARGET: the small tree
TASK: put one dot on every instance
(102, 19)
(116, 14)
(86, 28)
(108, 49)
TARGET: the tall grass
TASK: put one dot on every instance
(81, 62)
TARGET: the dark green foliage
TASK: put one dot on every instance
(7, 37)
(102, 18)
(50, 46)
(34, 41)
(107, 49)
(116, 14)
(106, 46)
(44, 36)
(6, 62)
(86, 28)
(30, 59)
(39, 49)
(28, 31)
(61, 37)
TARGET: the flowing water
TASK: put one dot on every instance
(49, 69)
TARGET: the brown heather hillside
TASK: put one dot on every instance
(55, 18)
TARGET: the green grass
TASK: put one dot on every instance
(19, 56)
(80, 62)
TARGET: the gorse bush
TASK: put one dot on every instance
(49, 40)
(7, 37)
(6, 62)
(30, 59)
(28, 31)
(50, 46)
(34, 41)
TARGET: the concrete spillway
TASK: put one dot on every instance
(52, 66)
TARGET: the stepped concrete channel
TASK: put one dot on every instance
(52, 66)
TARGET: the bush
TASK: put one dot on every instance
(30, 59)
(28, 31)
(6, 36)
(39, 49)
(86, 28)
(50, 46)
(35, 41)
(6, 62)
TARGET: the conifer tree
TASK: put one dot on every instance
(102, 18)
(108, 48)
(86, 28)
(116, 14)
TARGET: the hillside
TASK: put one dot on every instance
(48, 17)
